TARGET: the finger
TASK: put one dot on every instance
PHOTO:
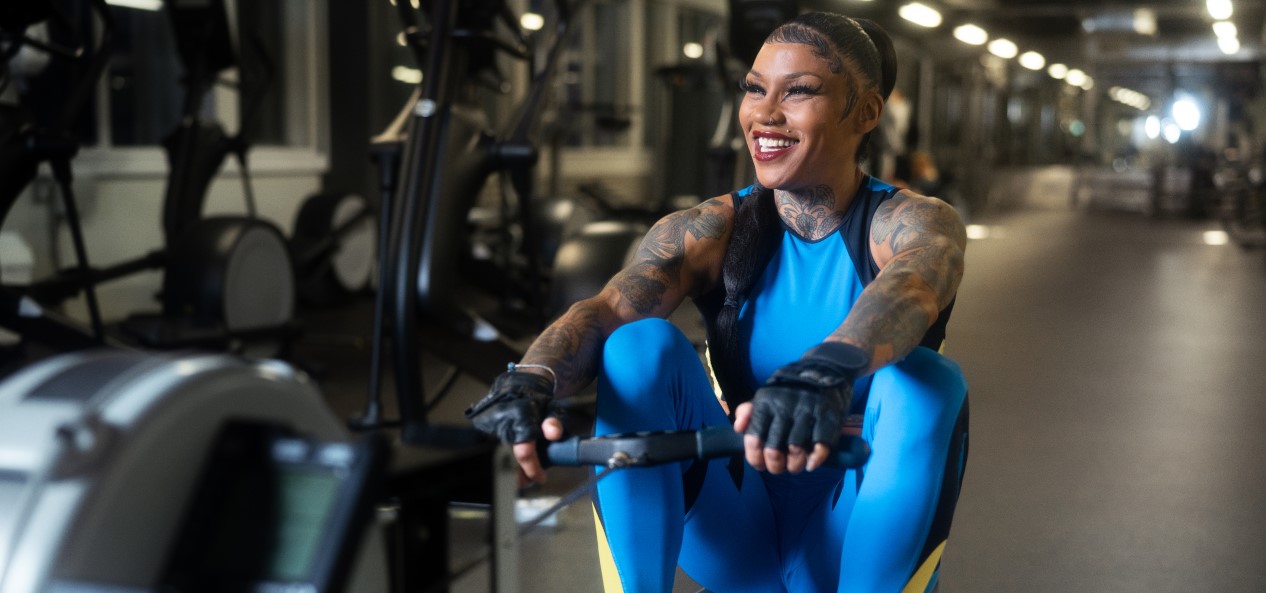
(779, 428)
(821, 452)
(525, 454)
(754, 451)
(796, 458)
(775, 460)
(801, 432)
(742, 415)
(552, 428)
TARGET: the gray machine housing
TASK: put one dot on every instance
(100, 453)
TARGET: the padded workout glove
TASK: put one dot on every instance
(807, 401)
(514, 407)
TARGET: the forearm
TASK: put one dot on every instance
(572, 345)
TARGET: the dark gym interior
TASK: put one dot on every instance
(204, 199)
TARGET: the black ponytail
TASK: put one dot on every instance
(887, 55)
(753, 241)
(887, 72)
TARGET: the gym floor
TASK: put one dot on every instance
(1115, 364)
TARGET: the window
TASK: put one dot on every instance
(596, 89)
(272, 66)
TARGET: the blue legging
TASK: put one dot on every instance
(732, 528)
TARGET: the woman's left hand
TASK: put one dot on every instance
(772, 459)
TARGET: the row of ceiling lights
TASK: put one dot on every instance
(971, 34)
(926, 16)
(1228, 37)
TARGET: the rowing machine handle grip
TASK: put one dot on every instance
(646, 449)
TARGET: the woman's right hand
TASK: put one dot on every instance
(517, 410)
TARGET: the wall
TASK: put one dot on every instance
(119, 194)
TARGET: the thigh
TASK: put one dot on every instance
(914, 417)
(730, 539)
(712, 518)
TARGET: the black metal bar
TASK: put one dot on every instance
(419, 185)
(61, 171)
(387, 156)
(100, 59)
(67, 283)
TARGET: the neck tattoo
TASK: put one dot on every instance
(809, 212)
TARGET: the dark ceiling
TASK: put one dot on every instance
(1183, 27)
(1095, 35)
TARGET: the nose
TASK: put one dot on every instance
(770, 114)
(764, 110)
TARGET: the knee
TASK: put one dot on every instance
(638, 352)
(644, 347)
(925, 385)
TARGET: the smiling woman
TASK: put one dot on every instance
(825, 293)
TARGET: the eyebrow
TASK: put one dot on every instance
(788, 76)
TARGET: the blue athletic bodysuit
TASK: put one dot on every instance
(881, 529)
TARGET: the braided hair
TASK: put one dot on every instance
(856, 45)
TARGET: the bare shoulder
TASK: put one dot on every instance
(912, 221)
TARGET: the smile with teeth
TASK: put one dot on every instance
(775, 144)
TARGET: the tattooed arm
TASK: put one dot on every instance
(918, 243)
(680, 256)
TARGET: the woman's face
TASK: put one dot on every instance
(794, 117)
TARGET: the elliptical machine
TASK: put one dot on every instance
(25, 144)
(228, 280)
(448, 153)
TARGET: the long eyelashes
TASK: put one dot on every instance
(797, 89)
(803, 89)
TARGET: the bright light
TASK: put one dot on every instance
(406, 74)
(1229, 45)
(1130, 97)
(532, 21)
(920, 14)
(1144, 21)
(1216, 238)
(1224, 29)
(1057, 71)
(138, 4)
(1220, 10)
(1087, 84)
(1152, 127)
(971, 34)
(1075, 77)
(692, 50)
(1003, 48)
(1186, 114)
(1170, 131)
(1032, 60)
(977, 231)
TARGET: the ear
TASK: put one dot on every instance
(870, 109)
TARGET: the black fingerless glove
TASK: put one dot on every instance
(514, 407)
(807, 401)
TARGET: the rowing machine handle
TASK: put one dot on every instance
(654, 448)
